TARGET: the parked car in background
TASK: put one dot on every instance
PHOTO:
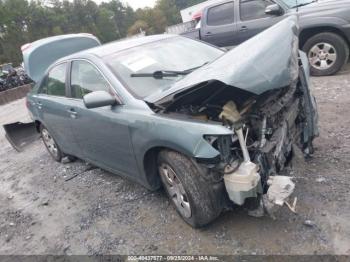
(212, 128)
(324, 27)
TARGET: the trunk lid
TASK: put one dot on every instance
(39, 55)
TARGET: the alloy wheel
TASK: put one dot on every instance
(175, 190)
(322, 56)
(49, 142)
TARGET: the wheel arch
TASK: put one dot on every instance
(306, 33)
(37, 125)
(149, 163)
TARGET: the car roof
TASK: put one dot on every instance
(118, 46)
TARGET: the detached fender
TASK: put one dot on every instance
(311, 130)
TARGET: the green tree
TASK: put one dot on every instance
(154, 18)
(169, 10)
(13, 29)
(139, 26)
(23, 21)
(107, 30)
(123, 16)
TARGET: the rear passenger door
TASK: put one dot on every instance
(252, 18)
(51, 106)
(219, 28)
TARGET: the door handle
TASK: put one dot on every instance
(72, 113)
(243, 29)
(39, 105)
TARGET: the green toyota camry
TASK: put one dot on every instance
(214, 128)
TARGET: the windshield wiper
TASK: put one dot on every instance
(160, 74)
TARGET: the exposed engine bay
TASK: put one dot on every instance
(267, 129)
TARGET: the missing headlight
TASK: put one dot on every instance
(222, 144)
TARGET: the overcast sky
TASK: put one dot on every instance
(134, 3)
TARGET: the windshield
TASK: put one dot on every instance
(173, 54)
(295, 3)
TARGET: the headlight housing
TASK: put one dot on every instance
(221, 143)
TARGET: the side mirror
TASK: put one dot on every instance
(99, 99)
(274, 9)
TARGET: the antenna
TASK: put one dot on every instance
(296, 4)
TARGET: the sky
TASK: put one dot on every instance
(134, 3)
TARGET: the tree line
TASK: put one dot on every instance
(24, 21)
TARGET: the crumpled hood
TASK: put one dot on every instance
(265, 62)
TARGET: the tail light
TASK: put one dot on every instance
(25, 47)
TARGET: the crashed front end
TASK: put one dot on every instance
(260, 91)
(268, 131)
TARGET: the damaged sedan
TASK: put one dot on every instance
(212, 127)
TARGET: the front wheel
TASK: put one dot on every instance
(196, 200)
(327, 53)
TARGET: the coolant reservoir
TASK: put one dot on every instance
(243, 183)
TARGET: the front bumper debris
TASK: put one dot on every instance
(281, 188)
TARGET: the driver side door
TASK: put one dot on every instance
(101, 133)
(252, 18)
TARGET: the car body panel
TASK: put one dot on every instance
(252, 66)
(219, 35)
(251, 27)
(39, 55)
(143, 130)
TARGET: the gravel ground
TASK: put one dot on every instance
(43, 211)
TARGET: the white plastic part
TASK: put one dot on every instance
(242, 183)
(281, 187)
(243, 145)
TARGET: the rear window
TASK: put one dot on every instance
(55, 83)
(221, 14)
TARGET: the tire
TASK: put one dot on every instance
(71, 158)
(204, 199)
(68, 158)
(51, 144)
(327, 53)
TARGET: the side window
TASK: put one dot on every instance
(85, 78)
(55, 83)
(253, 9)
(221, 14)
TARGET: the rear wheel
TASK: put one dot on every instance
(51, 144)
(327, 53)
(197, 201)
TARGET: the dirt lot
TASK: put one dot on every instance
(43, 212)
